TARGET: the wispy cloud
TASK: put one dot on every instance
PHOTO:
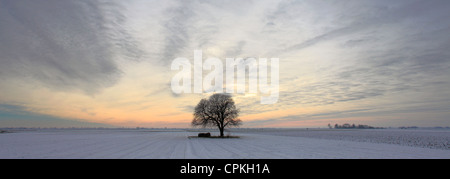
(64, 45)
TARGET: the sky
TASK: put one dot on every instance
(107, 63)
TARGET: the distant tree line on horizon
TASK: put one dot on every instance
(352, 126)
(408, 127)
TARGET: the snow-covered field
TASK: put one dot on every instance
(427, 138)
(267, 143)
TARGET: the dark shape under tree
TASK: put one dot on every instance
(204, 134)
(219, 110)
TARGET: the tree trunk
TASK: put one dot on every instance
(221, 131)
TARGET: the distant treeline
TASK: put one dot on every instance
(408, 127)
(352, 126)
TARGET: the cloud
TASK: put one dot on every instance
(19, 116)
(345, 58)
(352, 58)
(64, 45)
(176, 30)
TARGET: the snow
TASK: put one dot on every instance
(427, 138)
(265, 144)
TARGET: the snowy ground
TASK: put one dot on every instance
(426, 138)
(108, 143)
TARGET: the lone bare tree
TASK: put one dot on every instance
(219, 110)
